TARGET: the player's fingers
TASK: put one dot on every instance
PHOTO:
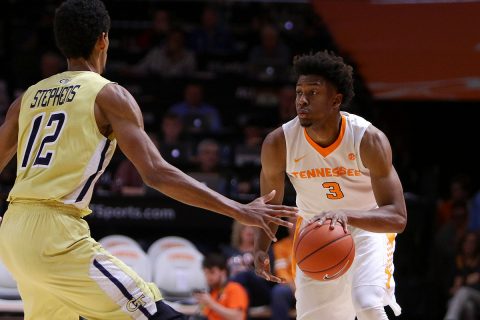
(281, 222)
(283, 211)
(333, 222)
(269, 232)
(276, 279)
(321, 220)
(345, 229)
(270, 277)
(314, 219)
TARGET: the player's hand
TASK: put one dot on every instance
(262, 267)
(203, 298)
(259, 213)
(333, 216)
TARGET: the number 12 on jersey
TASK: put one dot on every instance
(43, 136)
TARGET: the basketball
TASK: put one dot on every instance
(322, 253)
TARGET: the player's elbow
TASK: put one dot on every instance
(149, 181)
(154, 180)
(401, 221)
(153, 177)
(159, 175)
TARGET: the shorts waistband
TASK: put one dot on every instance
(66, 209)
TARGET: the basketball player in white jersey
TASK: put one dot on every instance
(64, 130)
(341, 168)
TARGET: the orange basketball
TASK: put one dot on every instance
(324, 254)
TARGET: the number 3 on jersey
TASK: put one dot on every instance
(47, 135)
(334, 190)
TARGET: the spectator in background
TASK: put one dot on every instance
(51, 63)
(248, 151)
(283, 294)
(286, 104)
(4, 98)
(157, 33)
(459, 192)
(465, 301)
(240, 263)
(474, 220)
(270, 59)
(173, 146)
(207, 168)
(211, 37)
(446, 242)
(245, 183)
(170, 60)
(127, 181)
(197, 115)
(226, 299)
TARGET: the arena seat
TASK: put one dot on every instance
(10, 301)
(8, 285)
(113, 240)
(177, 272)
(160, 245)
(135, 258)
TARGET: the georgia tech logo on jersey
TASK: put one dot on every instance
(135, 303)
(64, 81)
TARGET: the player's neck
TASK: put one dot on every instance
(81, 64)
(326, 133)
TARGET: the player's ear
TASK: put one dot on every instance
(102, 41)
(337, 100)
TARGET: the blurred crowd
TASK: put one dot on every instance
(212, 79)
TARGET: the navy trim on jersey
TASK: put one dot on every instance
(93, 176)
(120, 286)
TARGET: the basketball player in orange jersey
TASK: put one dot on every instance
(64, 130)
(341, 168)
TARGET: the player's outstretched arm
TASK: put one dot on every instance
(123, 114)
(9, 134)
(272, 177)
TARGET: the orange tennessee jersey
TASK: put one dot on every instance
(232, 296)
(282, 251)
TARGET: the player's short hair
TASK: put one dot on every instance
(213, 260)
(329, 66)
(77, 26)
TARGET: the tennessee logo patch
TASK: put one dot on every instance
(351, 156)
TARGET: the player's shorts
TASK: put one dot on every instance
(62, 273)
(373, 266)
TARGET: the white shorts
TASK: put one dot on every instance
(373, 266)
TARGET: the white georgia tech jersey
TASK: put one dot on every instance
(328, 178)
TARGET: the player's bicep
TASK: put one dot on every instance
(376, 154)
(125, 118)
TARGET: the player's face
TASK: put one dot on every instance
(316, 99)
(213, 276)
